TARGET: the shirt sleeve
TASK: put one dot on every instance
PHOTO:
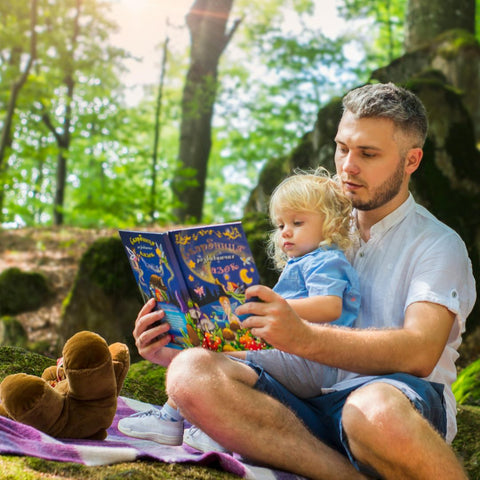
(443, 275)
(328, 274)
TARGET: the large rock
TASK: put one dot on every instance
(456, 54)
(447, 182)
(12, 332)
(105, 298)
(22, 291)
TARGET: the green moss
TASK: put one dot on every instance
(12, 332)
(452, 41)
(106, 265)
(16, 360)
(29, 468)
(467, 441)
(22, 291)
(145, 382)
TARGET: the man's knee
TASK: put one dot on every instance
(376, 414)
(187, 371)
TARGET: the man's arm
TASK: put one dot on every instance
(413, 349)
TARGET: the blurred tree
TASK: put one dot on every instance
(74, 61)
(14, 68)
(207, 22)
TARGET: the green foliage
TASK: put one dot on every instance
(384, 29)
(467, 386)
(22, 291)
(276, 73)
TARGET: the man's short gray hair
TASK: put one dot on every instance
(387, 100)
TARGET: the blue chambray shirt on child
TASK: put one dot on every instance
(325, 271)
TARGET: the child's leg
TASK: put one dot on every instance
(302, 377)
(169, 411)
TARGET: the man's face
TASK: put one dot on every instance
(369, 163)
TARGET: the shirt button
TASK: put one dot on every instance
(362, 254)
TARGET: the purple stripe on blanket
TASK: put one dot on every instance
(19, 439)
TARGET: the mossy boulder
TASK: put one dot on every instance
(257, 227)
(12, 332)
(22, 291)
(104, 298)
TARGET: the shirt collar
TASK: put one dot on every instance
(323, 248)
(393, 218)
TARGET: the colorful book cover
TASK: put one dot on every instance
(198, 275)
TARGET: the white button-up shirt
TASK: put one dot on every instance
(413, 257)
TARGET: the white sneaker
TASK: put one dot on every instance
(196, 438)
(150, 426)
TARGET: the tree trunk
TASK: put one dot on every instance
(426, 19)
(207, 23)
(63, 137)
(156, 137)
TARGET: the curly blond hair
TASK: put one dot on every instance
(315, 191)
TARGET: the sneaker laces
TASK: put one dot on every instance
(194, 431)
(153, 412)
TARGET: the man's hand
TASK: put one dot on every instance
(151, 339)
(272, 319)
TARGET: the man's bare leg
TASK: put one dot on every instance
(386, 432)
(215, 393)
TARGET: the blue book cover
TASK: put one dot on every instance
(198, 275)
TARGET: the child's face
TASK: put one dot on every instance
(299, 232)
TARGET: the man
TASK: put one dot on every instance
(391, 408)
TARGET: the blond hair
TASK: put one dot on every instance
(317, 192)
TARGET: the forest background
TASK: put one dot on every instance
(250, 87)
(251, 90)
(76, 150)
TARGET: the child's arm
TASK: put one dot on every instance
(317, 309)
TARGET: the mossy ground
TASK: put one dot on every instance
(145, 382)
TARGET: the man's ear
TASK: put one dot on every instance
(414, 157)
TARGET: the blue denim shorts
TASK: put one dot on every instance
(323, 414)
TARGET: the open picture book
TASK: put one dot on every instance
(198, 276)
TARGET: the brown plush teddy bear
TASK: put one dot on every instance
(76, 400)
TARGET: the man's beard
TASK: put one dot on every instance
(385, 192)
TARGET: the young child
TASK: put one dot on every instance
(312, 219)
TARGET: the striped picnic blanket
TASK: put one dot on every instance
(20, 439)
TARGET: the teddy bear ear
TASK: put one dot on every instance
(121, 362)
